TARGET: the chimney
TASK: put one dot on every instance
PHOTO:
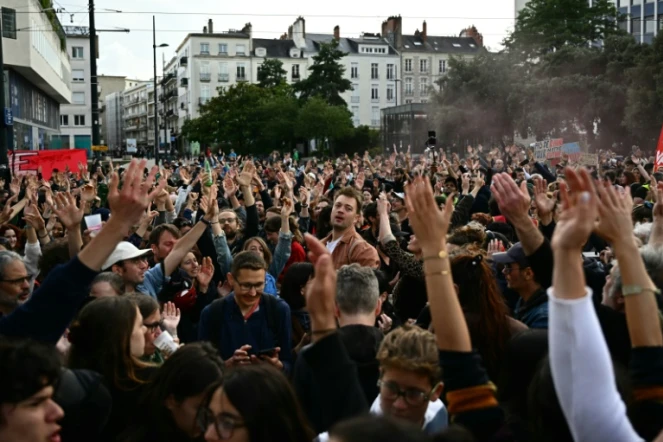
(290, 32)
(337, 32)
(392, 31)
(210, 26)
(473, 33)
(247, 29)
(424, 32)
(204, 29)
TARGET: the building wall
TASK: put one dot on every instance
(365, 108)
(423, 82)
(114, 122)
(37, 71)
(76, 119)
(644, 18)
(107, 85)
(135, 114)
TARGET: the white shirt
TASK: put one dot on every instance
(331, 245)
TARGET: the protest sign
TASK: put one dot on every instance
(29, 161)
(589, 159)
(545, 149)
(659, 153)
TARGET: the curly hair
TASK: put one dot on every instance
(411, 348)
(467, 234)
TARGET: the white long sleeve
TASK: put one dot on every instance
(583, 374)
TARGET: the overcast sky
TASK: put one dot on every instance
(131, 54)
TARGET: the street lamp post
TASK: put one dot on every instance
(156, 95)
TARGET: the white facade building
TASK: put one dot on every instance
(137, 105)
(76, 118)
(37, 72)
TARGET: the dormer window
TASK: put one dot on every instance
(294, 53)
(261, 52)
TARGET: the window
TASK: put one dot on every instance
(240, 50)
(355, 115)
(355, 93)
(64, 120)
(204, 93)
(409, 101)
(77, 52)
(295, 71)
(223, 72)
(443, 66)
(354, 70)
(423, 85)
(79, 120)
(375, 116)
(408, 86)
(78, 98)
(241, 72)
(455, 45)
(205, 73)
(375, 95)
(204, 48)
(9, 23)
(390, 72)
(650, 25)
(390, 93)
(408, 65)
(635, 25)
(78, 75)
(223, 49)
(423, 65)
(374, 71)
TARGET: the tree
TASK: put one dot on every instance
(231, 118)
(549, 25)
(322, 122)
(278, 116)
(325, 79)
(271, 73)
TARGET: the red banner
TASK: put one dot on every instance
(28, 161)
(659, 153)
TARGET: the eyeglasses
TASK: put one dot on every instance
(224, 425)
(246, 287)
(153, 326)
(391, 391)
(226, 220)
(508, 269)
(18, 281)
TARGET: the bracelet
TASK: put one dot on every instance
(441, 272)
(630, 290)
(207, 223)
(42, 236)
(441, 255)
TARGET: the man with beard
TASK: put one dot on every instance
(344, 243)
(14, 282)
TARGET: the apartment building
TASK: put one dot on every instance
(138, 115)
(38, 73)
(643, 18)
(425, 58)
(371, 64)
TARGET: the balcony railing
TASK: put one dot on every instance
(184, 60)
(205, 77)
(409, 93)
(375, 123)
(224, 78)
(204, 52)
(184, 82)
(203, 100)
(241, 77)
(355, 99)
(375, 99)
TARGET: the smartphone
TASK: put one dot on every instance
(270, 352)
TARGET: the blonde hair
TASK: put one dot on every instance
(411, 348)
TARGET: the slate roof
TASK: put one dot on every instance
(275, 48)
(464, 45)
(349, 45)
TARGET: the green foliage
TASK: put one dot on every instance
(271, 73)
(323, 122)
(325, 79)
(552, 80)
(359, 140)
(549, 25)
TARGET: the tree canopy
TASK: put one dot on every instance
(326, 76)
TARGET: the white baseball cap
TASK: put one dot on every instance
(124, 250)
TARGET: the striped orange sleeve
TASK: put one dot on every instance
(473, 398)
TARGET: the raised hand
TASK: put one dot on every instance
(544, 205)
(579, 211)
(359, 180)
(494, 246)
(615, 222)
(206, 273)
(65, 208)
(32, 216)
(383, 205)
(128, 204)
(430, 224)
(88, 192)
(321, 292)
(287, 208)
(384, 323)
(171, 318)
(513, 202)
(244, 178)
(229, 187)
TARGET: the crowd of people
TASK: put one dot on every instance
(484, 296)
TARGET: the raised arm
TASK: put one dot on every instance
(71, 216)
(579, 358)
